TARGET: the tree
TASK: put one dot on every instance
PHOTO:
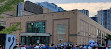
(107, 37)
(8, 5)
(11, 29)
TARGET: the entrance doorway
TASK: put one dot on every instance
(27, 40)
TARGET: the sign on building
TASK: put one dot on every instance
(7, 41)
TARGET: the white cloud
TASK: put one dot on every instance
(92, 7)
(70, 1)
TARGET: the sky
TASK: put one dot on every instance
(92, 5)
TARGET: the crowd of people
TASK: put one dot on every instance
(59, 46)
(43, 46)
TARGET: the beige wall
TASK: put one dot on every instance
(89, 27)
(78, 26)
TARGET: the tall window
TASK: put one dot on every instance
(60, 37)
(36, 27)
(19, 10)
(97, 32)
(61, 28)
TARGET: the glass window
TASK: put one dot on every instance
(84, 34)
(97, 32)
(61, 28)
(102, 35)
(19, 9)
(36, 27)
(60, 37)
(29, 27)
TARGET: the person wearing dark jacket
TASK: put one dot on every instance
(68, 47)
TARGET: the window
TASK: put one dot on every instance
(102, 35)
(61, 28)
(60, 37)
(19, 9)
(36, 27)
(97, 32)
(84, 33)
(2, 24)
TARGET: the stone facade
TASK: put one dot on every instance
(79, 28)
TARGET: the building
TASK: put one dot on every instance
(51, 6)
(67, 27)
(28, 8)
(94, 18)
(104, 18)
(86, 12)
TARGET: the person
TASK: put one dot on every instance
(15, 47)
(110, 48)
(96, 48)
(85, 46)
(100, 45)
(37, 46)
(62, 46)
(65, 46)
(58, 46)
(72, 47)
(47, 47)
(43, 46)
(107, 47)
(0, 47)
(68, 47)
(81, 47)
(3, 47)
(52, 46)
(30, 47)
(22, 47)
(89, 47)
(76, 45)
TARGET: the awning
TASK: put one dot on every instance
(34, 34)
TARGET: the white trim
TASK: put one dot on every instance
(34, 34)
